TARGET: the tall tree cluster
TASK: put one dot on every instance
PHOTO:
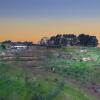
(71, 39)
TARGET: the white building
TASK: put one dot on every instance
(19, 47)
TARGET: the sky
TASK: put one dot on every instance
(30, 20)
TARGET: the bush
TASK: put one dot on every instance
(3, 47)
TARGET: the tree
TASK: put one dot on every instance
(70, 39)
(93, 41)
(6, 41)
(3, 46)
(87, 40)
(44, 41)
(66, 39)
(28, 43)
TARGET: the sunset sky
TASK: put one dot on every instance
(31, 20)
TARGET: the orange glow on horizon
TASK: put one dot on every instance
(34, 31)
(33, 38)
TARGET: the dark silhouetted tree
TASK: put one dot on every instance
(6, 42)
(3, 46)
(87, 40)
(70, 39)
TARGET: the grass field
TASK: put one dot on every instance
(51, 79)
(73, 67)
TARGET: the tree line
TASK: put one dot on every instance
(27, 43)
(70, 40)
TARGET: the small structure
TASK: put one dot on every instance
(19, 47)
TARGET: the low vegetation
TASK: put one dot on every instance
(62, 75)
(68, 62)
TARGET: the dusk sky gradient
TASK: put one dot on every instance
(30, 20)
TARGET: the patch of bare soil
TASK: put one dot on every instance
(32, 61)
